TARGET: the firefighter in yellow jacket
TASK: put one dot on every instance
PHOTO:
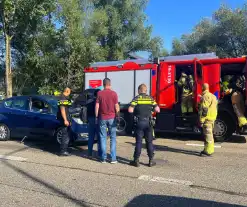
(207, 117)
(186, 84)
(238, 102)
(235, 89)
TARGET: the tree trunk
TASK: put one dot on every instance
(8, 72)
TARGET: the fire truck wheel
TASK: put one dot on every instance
(223, 127)
(121, 125)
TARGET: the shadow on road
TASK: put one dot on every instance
(51, 147)
(187, 137)
(53, 190)
(75, 150)
(170, 149)
(236, 139)
(148, 200)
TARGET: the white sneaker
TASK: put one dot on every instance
(103, 162)
(114, 162)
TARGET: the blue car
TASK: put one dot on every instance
(35, 116)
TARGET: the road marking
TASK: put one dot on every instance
(201, 145)
(4, 157)
(164, 180)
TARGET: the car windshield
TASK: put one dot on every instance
(52, 100)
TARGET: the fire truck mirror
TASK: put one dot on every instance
(156, 60)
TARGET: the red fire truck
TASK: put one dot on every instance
(161, 76)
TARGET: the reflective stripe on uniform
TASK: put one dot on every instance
(143, 101)
(64, 102)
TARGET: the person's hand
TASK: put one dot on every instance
(118, 119)
(66, 123)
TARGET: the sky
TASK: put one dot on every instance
(172, 18)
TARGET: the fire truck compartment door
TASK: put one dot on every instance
(123, 84)
(198, 83)
(211, 75)
(166, 86)
(143, 76)
(94, 80)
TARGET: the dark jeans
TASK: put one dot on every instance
(143, 128)
(112, 127)
(65, 138)
(92, 132)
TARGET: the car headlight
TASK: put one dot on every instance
(77, 120)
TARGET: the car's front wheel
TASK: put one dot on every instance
(121, 125)
(4, 132)
(58, 135)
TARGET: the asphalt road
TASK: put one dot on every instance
(31, 174)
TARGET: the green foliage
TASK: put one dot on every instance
(53, 40)
(225, 34)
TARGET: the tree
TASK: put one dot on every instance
(178, 48)
(53, 41)
(124, 28)
(18, 16)
(225, 34)
(163, 53)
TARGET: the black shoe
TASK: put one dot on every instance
(205, 154)
(243, 129)
(135, 163)
(64, 154)
(151, 163)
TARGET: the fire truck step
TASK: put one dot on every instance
(186, 129)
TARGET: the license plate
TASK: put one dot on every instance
(84, 134)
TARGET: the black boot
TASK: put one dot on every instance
(135, 163)
(243, 130)
(64, 154)
(151, 162)
(205, 154)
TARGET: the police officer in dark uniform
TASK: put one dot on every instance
(63, 116)
(142, 106)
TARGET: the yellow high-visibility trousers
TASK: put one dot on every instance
(238, 106)
(208, 136)
(187, 104)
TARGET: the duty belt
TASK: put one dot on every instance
(143, 118)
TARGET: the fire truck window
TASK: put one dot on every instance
(188, 69)
(232, 69)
